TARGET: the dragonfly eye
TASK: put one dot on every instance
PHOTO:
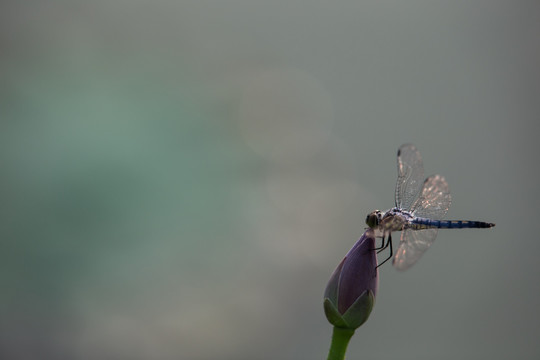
(372, 220)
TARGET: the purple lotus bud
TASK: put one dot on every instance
(350, 294)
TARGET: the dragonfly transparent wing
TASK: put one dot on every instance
(434, 200)
(433, 203)
(410, 176)
(412, 246)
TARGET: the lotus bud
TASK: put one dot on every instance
(350, 294)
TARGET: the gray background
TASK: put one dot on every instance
(179, 179)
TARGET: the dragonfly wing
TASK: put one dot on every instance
(410, 176)
(412, 245)
(434, 200)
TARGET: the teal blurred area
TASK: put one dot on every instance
(178, 180)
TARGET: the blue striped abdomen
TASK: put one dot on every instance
(422, 223)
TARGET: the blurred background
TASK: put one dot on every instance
(178, 180)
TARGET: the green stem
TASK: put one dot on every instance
(340, 340)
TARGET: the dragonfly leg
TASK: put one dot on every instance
(382, 247)
(388, 242)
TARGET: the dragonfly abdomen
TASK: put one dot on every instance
(421, 223)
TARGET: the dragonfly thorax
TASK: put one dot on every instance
(394, 219)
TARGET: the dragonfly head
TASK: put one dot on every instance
(374, 219)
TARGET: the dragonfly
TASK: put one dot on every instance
(420, 205)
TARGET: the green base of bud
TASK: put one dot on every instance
(356, 314)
